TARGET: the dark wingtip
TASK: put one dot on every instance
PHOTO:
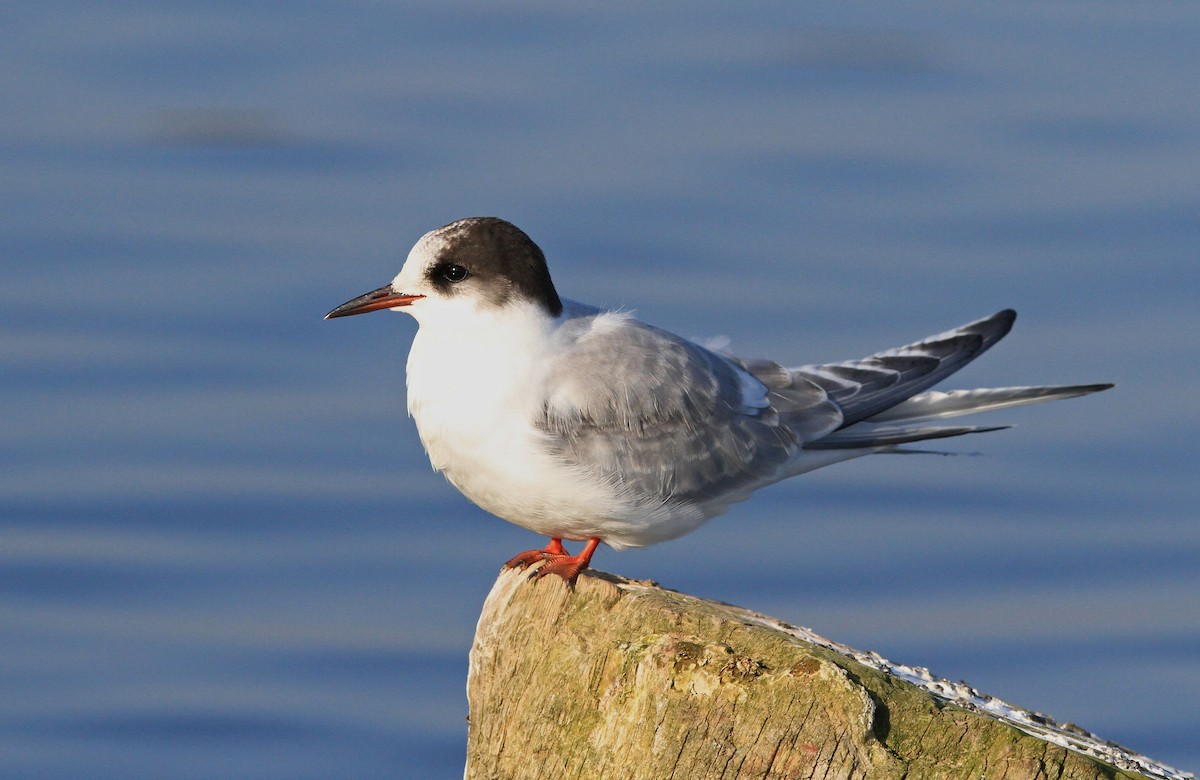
(1003, 320)
(991, 329)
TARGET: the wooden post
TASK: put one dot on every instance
(618, 679)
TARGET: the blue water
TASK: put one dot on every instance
(222, 552)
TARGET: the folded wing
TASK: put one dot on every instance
(667, 420)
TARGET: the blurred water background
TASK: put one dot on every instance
(222, 550)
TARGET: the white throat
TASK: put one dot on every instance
(471, 373)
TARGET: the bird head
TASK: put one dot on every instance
(472, 265)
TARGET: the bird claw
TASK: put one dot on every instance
(568, 567)
(526, 559)
(555, 560)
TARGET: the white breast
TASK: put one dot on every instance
(475, 390)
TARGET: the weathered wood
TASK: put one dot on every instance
(626, 680)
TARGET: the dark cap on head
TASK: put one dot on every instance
(500, 256)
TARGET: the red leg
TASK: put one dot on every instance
(556, 560)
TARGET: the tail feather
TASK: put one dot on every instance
(897, 426)
(882, 401)
(866, 435)
(938, 405)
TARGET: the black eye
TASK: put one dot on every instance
(455, 273)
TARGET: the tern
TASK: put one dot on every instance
(585, 424)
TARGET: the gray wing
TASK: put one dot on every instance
(867, 387)
(859, 390)
(666, 419)
(670, 420)
(882, 397)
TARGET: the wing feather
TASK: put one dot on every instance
(702, 428)
(694, 426)
(864, 388)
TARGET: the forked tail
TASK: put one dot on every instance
(883, 400)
